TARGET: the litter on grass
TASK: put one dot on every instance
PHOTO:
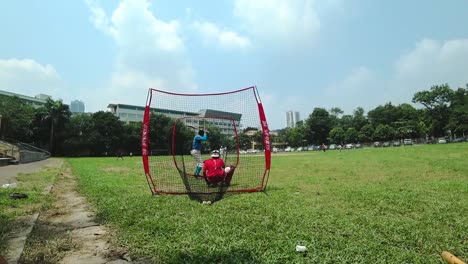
(300, 248)
(9, 185)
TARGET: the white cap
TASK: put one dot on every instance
(215, 153)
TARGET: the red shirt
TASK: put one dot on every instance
(213, 167)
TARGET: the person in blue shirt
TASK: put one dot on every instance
(196, 149)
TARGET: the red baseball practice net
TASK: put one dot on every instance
(237, 128)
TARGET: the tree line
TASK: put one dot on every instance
(444, 113)
(52, 127)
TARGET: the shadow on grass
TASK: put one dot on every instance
(235, 256)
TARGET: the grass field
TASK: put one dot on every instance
(391, 205)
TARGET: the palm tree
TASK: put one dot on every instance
(54, 114)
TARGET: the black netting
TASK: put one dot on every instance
(233, 122)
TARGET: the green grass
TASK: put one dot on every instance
(11, 210)
(391, 205)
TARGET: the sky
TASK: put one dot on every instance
(300, 54)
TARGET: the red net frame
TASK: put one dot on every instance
(168, 166)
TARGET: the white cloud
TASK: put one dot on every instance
(99, 18)
(12, 69)
(27, 76)
(429, 62)
(211, 33)
(137, 25)
(284, 21)
(433, 62)
(151, 52)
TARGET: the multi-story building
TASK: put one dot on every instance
(225, 121)
(134, 113)
(77, 106)
(292, 117)
(37, 101)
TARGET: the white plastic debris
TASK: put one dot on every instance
(300, 248)
(9, 185)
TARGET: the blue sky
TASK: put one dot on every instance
(300, 54)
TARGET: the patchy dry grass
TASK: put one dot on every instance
(386, 205)
(47, 244)
(11, 211)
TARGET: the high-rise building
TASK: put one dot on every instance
(292, 117)
(77, 106)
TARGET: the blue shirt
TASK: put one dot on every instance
(197, 141)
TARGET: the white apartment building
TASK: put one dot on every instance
(292, 117)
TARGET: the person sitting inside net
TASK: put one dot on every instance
(216, 172)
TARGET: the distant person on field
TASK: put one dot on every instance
(120, 154)
(215, 170)
(196, 149)
(221, 151)
(324, 147)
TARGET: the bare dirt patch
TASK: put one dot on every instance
(67, 232)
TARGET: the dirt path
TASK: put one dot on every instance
(67, 233)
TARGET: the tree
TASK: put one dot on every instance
(383, 132)
(405, 129)
(437, 96)
(249, 129)
(336, 111)
(366, 133)
(296, 136)
(215, 138)
(106, 133)
(132, 137)
(423, 130)
(54, 115)
(346, 121)
(458, 119)
(318, 126)
(385, 115)
(337, 135)
(406, 112)
(291, 136)
(244, 141)
(359, 119)
(183, 137)
(351, 135)
(77, 135)
(15, 119)
(282, 136)
(436, 101)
